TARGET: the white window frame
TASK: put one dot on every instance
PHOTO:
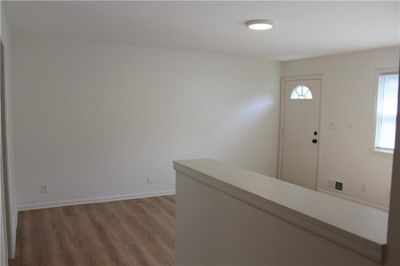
(299, 98)
(380, 72)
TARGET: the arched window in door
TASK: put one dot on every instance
(301, 93)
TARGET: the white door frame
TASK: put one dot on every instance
(4, 238)
(282, 116)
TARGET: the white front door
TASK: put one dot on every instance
(300, 132)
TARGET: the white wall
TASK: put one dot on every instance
(94, 120)
(8, 147)
(348, 95)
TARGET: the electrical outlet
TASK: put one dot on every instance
(43, 189)
(350, 127)
(331, 184)
(149, 181)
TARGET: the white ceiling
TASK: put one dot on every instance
(304, 29)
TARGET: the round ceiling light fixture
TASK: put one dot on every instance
(260, 24)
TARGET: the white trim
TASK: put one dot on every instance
(62, 203)
(376, 206)
(385, 151)
(14, 225)
(281, 115)
(302, 77)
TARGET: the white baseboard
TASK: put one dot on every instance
(53, 204)
(14, 221)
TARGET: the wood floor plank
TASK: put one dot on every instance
(152, 223)
(39, 233)
(148, 232)
(139, 232)
(24, 236)
(121, 233)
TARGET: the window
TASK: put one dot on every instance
(386, 112)
(300, 93)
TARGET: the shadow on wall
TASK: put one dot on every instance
(246, 121)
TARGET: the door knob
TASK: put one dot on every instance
(314, 141)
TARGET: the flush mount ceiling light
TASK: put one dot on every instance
(260, 24)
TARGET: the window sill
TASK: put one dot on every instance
(384, 152)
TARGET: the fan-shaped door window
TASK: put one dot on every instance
(301, 93)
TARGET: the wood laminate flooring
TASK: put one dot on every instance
(129, 232)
